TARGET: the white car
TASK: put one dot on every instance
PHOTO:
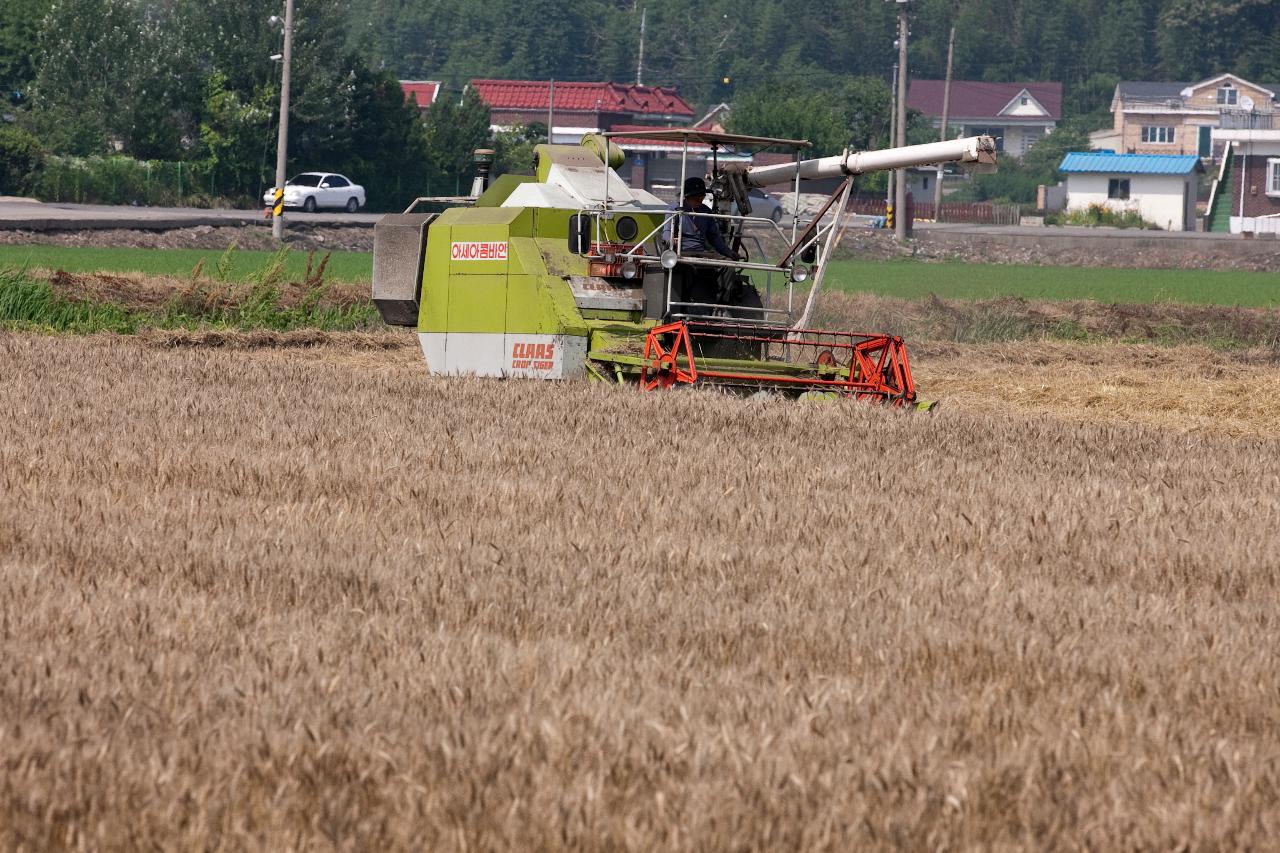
(314, 190)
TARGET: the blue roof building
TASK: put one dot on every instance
(1161, 188)
(1130, 164)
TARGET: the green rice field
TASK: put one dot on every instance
(342, 267)
(907, 279)
(950, 280)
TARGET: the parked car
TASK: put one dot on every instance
(762, 204)
(314, 190)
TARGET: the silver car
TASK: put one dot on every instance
(314, 190)
(762, 204)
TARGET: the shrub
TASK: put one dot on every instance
(22, 160)
(1099, 214)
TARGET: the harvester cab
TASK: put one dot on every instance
(570, 272)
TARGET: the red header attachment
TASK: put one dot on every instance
(863, 366)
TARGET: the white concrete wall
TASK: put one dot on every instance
(1159, 199)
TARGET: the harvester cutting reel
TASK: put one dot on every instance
(747, 356)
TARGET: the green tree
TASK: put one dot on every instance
(390, 150)
(1016, 180)
(852, 114)
(513, 149)
(454, 129)
(21, 161)
(234, 136)
(106, 75)
(19, 28)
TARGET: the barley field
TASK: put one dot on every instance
(284, 591)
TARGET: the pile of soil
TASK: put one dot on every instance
(880, 245)
(304, 237)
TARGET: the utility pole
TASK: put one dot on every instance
(893, 132)
(900, 195)
(282, 139)
(551, 110)
(640, 63)
(946, 113)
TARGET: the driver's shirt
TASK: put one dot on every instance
(696, 232)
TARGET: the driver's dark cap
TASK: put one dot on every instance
(694, 186)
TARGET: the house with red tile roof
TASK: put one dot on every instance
(422, 91)
(1016, 114)
(579, 108)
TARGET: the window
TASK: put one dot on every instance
(337, 181)
(1030, 136)
(1227, 95)
(1273, 176)
(1025, 100)
(1157, 134)
(1118, 188)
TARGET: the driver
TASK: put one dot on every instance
(698, 236)
(696, 232)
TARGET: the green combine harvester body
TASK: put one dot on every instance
(564, 274)
(498, 294)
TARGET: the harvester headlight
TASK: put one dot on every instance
(669, 258)
(627, 229)
(629, 269)
(799, 273)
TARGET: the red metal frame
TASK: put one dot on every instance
(874, 367)
(664, 362)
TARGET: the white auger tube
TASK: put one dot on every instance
(977, 150)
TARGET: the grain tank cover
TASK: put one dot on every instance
(399, 241)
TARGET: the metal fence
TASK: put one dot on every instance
(979, 212)
(123, 180)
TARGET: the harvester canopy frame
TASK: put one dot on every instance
(728, 185)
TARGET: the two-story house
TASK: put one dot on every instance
(1179, 118)
(1016, 114)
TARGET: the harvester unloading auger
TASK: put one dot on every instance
(565, 274)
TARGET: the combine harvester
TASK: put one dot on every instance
(564, 274)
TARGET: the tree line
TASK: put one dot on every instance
(191, 81)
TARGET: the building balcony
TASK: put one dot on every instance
(1239, 120)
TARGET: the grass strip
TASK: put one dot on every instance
(242, 265)
(268, 301)
(954, 280)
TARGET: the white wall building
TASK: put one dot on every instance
(1160, 188)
